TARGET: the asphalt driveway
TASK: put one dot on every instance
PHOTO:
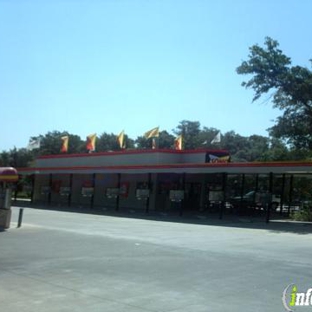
(62, 261)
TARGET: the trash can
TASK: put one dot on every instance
(5, 208)
(8, 175)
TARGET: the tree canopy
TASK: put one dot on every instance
(51, 143)
(241, 149)
(290, 89)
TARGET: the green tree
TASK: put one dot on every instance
(190, 131)
(164, 141)
(108, 142)
(205, 136)
(142, 143)
(4, 159)
(258, 147)
(290, 88)
(253, 148)
(51, 143)
(16, 158)
(236, 144)
(129, 143)
(278, 151)
(75, 144)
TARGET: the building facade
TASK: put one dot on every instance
(155, 180)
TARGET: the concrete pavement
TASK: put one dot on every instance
(61, 261)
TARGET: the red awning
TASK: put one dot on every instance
(8, 174)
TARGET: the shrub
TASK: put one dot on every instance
(305, 214)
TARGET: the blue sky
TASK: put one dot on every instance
(104, 66)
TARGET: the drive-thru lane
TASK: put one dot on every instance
(60, 261)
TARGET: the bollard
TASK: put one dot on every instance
(20, 218)
(268, 212)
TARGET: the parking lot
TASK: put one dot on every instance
(64, 261)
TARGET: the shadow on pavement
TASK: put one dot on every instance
(2, 229)
(281, 225)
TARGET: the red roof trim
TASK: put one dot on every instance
(130, 152)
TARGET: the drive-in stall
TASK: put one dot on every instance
(8, 176)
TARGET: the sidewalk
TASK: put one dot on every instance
(228, 220)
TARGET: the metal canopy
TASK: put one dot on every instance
(297, 168)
